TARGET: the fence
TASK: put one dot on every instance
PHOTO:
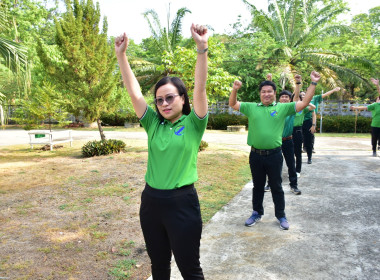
(326, 108)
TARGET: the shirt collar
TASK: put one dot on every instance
(273, 104)
(177, 121)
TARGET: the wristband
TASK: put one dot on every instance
(202, 51)
(298, 83)
(314, 83)
(313, 124)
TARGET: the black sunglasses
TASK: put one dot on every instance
(168, 98)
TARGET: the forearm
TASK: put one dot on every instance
(328, 93)
(297, 92)
(132, 85)
(314, 117)
(311, 107)
(232, 101)
(300, 105)
(359, 108)
(200, 79)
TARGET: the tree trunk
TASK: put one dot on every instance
(102, 136)
(1, 115)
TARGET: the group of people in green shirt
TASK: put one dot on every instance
(170, 214)
(269, 141)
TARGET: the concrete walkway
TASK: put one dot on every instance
(334, 225)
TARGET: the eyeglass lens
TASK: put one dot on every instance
(169, 99)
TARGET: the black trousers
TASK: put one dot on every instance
(288, 152)
(375, 137)
(308, 137)
(297, 140)
(171, 222)
(261, 167)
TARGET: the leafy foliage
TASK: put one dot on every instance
(345, 124)
(44, 104)
(299, 27)
(103, 147)
(221, 121)
(87, 74)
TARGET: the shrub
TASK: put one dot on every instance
(203, 145)
(106, 147)
(221, 121)
(113, 119)
(344, 124)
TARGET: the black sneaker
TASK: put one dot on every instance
(267, 188)
(295, 190)
(309, 161)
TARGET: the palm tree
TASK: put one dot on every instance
(298, 27)
(14, 56)
(165, 40)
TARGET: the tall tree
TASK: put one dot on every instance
(166, 38)
(298, 27)
(87, 75)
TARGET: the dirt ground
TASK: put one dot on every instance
(59, 228)
(63, 216)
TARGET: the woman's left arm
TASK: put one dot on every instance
(200, 36)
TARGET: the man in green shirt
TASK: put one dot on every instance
(375, 124)
(266, 123)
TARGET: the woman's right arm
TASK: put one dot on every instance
(129, 79)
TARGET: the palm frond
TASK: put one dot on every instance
(176, 26)
(14, 55)
(155, 27)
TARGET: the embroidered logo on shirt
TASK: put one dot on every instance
(179, 131)
(273, 113)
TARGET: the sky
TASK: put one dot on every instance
(126, 15)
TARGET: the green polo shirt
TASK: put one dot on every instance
(266, 123)
(172, 149)
(375, 110)
(315, 101)
(288, 127)
(298, 120)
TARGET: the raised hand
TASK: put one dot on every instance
(237, 85)
(337, 89)
(269, 77)
(121, 44)
(315, 76)
(375, 81)
(298, 78)
(200, 35)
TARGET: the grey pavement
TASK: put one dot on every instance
(334, 225)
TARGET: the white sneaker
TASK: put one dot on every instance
(298, 174)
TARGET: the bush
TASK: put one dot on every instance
(118, 118)
(221, 121)
(203, 145)
(113, 119)
(106, 147)
(344, 124)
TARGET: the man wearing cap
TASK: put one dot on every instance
(266, 123)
